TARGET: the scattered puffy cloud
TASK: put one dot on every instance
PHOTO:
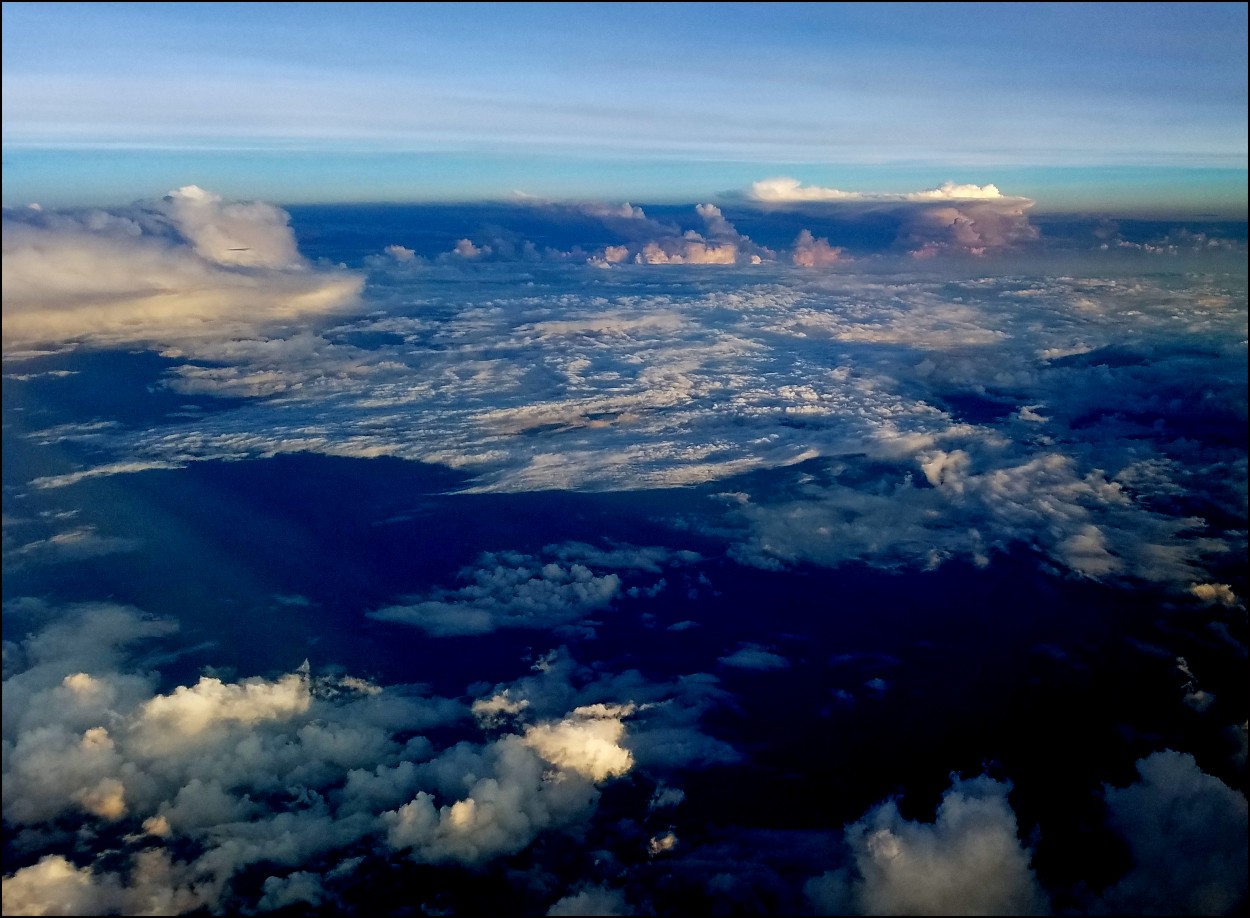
(1185, 829)
(400, 253)
(1215, 593)
(969, 861)
(754, 656)
(303, 774)
(615, 254)
(722, 244)
(466, 249)
(662, 843)
(1187, 833)
(500, 812)
(687, 251)
(60, 547)
(592, 900)
(1195, 697)
(298, 888)
(513, 590)
(1082, 520)
(588, 741)
(54, 886)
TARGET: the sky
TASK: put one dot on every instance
(659, 459)
(1115, 107)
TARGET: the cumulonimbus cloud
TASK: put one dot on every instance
(783, 190)
(189, 266)
(965, 218)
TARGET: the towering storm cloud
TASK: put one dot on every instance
(971, 219)
(185, 267)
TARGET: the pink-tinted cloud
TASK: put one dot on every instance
(810, 252)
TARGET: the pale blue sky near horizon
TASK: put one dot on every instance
(1124, 107)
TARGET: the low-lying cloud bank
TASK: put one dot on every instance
(1088, 427)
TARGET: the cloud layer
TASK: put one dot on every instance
(950, 419)
(682, 642)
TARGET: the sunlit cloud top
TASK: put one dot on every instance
(785, 190)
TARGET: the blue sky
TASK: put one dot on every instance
(815, 533)
(1080, 106)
